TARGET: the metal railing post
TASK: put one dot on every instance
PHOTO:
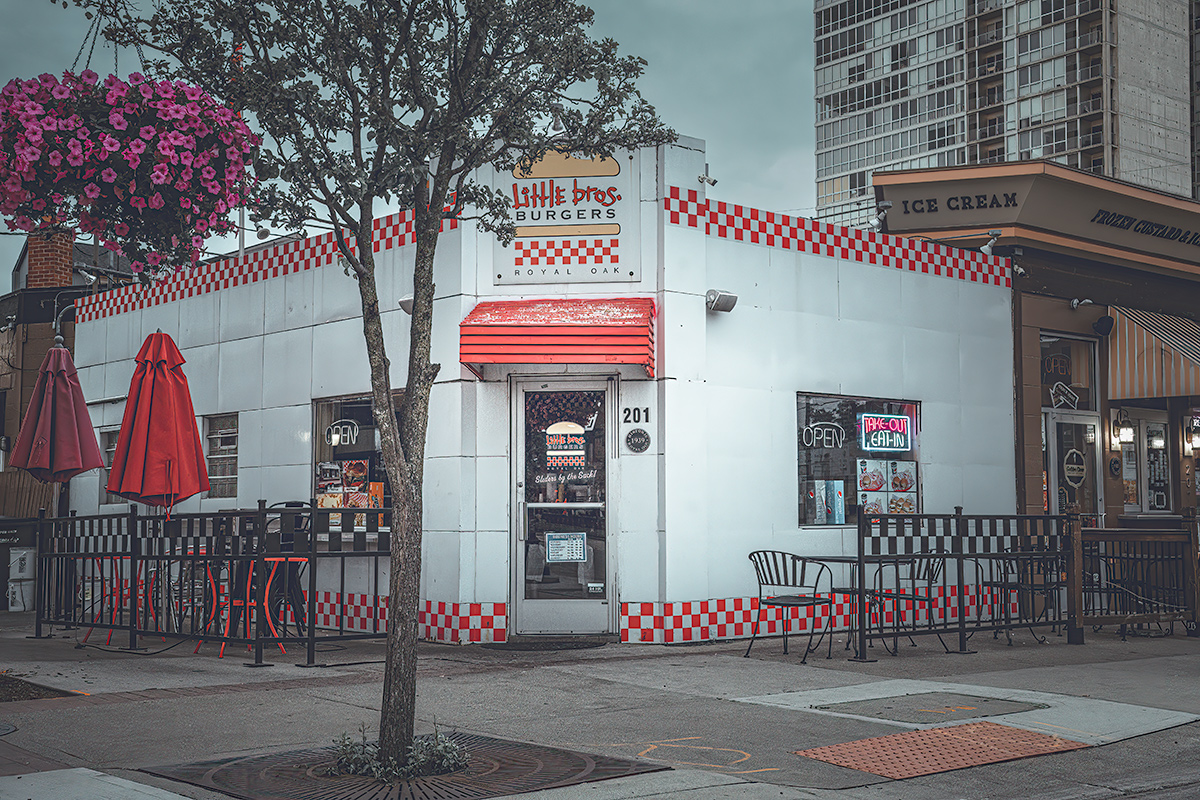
(134, 558)
(258, 574)
(41, 574)
(1191, 581)
(961, 588)
(311, 600)
(860, 589)
(1074, 554)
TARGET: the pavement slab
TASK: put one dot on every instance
(67, 784)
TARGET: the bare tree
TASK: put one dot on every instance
(362, 102)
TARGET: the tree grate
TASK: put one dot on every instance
(495, 768)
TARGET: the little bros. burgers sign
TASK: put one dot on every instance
(572, 216)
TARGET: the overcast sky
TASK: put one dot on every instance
(736, 74)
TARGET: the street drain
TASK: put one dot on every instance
(930, 708)
(494, 768)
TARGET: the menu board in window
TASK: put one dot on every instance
(1158, 478)
(887, 486)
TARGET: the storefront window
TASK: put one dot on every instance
(349, 464)
(856, 452)
(1068, 373)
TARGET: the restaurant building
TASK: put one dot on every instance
(643, 388)
(1106, 298)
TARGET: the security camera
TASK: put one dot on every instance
(707, 179)
(406, 303)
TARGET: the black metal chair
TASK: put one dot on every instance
(913, 582)
(779, 570)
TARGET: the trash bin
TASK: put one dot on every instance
(18, 550)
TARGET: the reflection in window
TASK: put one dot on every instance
(1068, 373)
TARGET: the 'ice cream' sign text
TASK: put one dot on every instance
(885, 432)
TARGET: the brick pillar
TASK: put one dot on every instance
(50, 260)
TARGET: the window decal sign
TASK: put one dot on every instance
(566, 443)
(888, 432)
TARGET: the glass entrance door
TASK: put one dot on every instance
(561, 523)
(1072, 462)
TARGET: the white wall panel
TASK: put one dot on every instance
(241, 311)
(287, 367)
(239, 375)
(199, 322)
(340, 364)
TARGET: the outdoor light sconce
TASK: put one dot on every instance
(881, 209)
(406, 304)
(1192, 439)
(1104, 325)
(706, 178)
(1076, 303)
(720, 300)
(1122, 429)
(995, 233)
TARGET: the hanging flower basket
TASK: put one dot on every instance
(152, 168)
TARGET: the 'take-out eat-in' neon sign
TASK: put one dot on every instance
(890, 432)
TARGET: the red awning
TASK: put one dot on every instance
(560, 331)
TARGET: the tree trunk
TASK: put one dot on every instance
(405, 465)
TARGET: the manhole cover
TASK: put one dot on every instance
(494, 768)
(914, 753)
(930, 708)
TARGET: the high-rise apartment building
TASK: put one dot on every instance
(1101, 85)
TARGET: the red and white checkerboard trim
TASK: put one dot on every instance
(733, 618)
(728, 221)
(438, 621)
(564, 252)
(394, 230)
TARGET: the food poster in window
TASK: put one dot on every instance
(902, 482)
(564, 444)
(1158, 477)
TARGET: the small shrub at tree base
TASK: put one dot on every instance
(433, 754)
(151, 167)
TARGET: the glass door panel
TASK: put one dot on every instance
(562, 525)
(1074, 461)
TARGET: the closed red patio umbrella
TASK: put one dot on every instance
(158, 460)
(56, 440)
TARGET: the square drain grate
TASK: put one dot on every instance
(915, 753)
(930, 708)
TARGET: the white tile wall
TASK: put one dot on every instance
(199, 322)
(239, 374)
(241, 311)
(340, 359)
(287, 367)
(287, 435)
(493, 492)
(492, 553)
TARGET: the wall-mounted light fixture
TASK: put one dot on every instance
(263, 232)
(1122, 432)
(1191, 436)
(995, 233)
(1076, 303)
(1104, 325)
(706, 178)
(719, 300)
(406, 304)
(881, 210)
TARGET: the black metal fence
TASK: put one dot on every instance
(955, 575)
(260, 578)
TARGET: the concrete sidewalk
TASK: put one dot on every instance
(728, 726)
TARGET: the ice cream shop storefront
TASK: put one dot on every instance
(643, 388)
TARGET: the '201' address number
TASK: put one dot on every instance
(636, 415)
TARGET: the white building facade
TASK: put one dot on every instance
(604, 450)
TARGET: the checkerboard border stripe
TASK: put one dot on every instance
(733, 618)
(392, 231)
(457, 623)
(565, 252)
(802, 235)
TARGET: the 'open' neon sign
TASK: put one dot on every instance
(889, 432)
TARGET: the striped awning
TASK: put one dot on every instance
(1152, 355)
(560, 331)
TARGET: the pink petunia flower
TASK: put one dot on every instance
(146, 90)
(133, 158)
(160, 174)
(121, 229)
(89, 77)
(153, 258)
(156, 201)
(92, 191)
(54, 157)
(61, 92)
(137, 146)
(147, 132)
(136, 266)
(137, 202)
(117, 121)
(108, 176)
